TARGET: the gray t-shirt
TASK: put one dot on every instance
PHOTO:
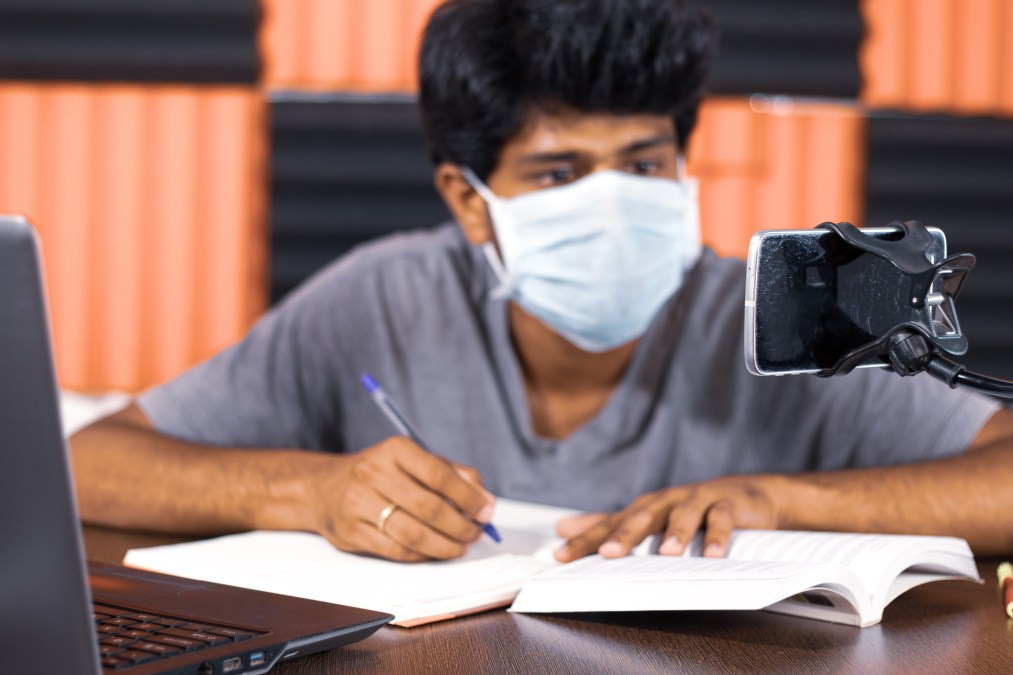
(414, 310)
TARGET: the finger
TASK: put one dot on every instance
(366, 538)
(399, 527)
(472, 476)
(441, 477)
(719, 529)
(588, 541)
(684, 519)
(415, 535)
(574, 525)
(469, 474)
(427, 507)
(634, 524)
(602, 536)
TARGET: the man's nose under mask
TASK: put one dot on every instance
(596, 259)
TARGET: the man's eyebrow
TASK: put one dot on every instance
(570, 156)
(545, 157)
(647, 143)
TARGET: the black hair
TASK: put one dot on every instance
(484, 64)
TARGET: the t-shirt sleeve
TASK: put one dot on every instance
(272, 389)
(886, 419)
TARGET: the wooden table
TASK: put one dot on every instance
(944, 627)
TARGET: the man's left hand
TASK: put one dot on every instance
(717, 506)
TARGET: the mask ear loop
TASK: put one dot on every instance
(483, 191)
(504, 286)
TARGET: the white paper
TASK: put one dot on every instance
(307, 566)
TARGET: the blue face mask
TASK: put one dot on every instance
(595, 259)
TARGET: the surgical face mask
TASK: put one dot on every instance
(595, 259)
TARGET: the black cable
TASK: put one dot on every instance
(954, 374)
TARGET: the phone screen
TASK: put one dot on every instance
(817, 298)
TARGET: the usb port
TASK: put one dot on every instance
(258, 658)
(232, 665)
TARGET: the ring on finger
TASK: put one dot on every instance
(381, 522)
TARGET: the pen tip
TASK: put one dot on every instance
(368, 382)
(492, 532)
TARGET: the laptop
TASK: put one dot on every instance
(60, 615)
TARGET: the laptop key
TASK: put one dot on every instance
(117, 641)
(194, 635)
(150, 627)
(136, 634)
(155, 648)
(174, 641)
(135, 656)
(197, 627)
(232, 633)
(108, 629)
(109, 650)
(113, 662)
(118, 621)
(143, 617)
(167, 622)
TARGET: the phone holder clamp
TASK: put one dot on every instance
(933, 286)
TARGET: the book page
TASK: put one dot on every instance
(875, 558)
(657, 568)
(853, 576)
(654, 582)
(306, 565)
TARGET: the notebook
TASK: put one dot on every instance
(63, 616)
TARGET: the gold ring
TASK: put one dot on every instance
(381, 522)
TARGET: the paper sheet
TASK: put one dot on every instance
(306, 565)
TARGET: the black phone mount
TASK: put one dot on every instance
(918, 345)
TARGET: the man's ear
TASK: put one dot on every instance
(465, 204)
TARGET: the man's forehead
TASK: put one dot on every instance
(600, 133)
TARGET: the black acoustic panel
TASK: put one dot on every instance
(344, 169)
(200, 41)
(955, 173)
(797, 47)
(791, 47)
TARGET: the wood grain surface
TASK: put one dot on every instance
(945, 627)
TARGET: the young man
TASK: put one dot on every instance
(567, 341)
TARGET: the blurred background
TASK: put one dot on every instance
(188, 162)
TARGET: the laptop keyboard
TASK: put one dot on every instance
(127, 637)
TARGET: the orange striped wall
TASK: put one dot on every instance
(784, 168)
(920, 55)
(951, 56)
(773, 164)
(150, 204)
(360, 45)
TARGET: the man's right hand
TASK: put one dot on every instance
(165, 484)
(397, 501)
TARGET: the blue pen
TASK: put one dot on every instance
(405, 428)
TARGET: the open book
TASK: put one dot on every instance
(846, 578)
(833, 576)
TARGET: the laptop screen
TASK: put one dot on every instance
(43, 581)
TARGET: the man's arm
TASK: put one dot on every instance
(963, 496)
(129, 475)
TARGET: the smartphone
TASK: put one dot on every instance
(812, 298)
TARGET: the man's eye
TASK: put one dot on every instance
(555, 177)
(560, 175)
(644, 166)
